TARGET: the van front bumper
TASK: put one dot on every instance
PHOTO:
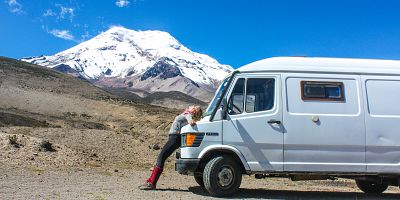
(186, 166)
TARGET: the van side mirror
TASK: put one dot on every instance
(224, 108)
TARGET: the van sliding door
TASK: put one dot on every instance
(324, 123)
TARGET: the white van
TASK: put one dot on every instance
(301, 118)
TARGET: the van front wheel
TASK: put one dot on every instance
(371, 187)
(222, 176)
(199, 179)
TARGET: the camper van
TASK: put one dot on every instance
(300, 118)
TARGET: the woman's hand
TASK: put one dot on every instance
(192, 123)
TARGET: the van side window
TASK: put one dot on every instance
(260, 94)
(236, 100)
(322, 91)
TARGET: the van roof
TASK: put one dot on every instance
(324, 65)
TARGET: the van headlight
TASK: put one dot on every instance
(192, 139)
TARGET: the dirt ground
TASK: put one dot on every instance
(104, 164)
(99, 183)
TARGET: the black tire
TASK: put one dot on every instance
(371, 187)
(222, 176)
(199, 179)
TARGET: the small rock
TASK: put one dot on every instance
(156, 147)
(35, 154)
(115, 170)
(46, 145)
(93, 155)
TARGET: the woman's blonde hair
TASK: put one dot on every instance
(197, 114)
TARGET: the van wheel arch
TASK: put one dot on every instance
(220, 152)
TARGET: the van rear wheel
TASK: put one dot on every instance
(222, 176)
(371, 187)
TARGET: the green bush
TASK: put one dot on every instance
(12, 139)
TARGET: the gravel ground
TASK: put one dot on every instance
(98, 183)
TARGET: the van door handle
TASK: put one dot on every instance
(274, 121)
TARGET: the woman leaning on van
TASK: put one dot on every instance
(189, 116)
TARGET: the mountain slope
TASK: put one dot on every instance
(145, 60)
(86, 125)
(25, 76)
(172, 99)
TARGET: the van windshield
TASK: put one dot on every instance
(217, 96)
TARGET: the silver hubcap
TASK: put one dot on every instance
(225, 176)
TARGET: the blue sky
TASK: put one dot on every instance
(233, 32)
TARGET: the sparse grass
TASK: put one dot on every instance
(36, 169)
(12, 139)
(124, 165)
(106, 173)
(97, 197)
(93, 164)
(100, 198)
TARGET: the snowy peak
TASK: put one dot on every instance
(140, 62)
(147, 40)
(121, 52)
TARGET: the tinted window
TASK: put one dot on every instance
(325, 91)
(236, 100)
(260, 94)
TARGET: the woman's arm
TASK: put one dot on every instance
(190, 119)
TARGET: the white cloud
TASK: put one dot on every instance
(85, 36)
(63, 34)
(86, 33)
(62, 12)
(66, 12)
(122, 3)
(14, 7)
(49, 13)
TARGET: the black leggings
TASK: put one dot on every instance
(173, 143)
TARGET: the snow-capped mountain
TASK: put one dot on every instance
(145, 60)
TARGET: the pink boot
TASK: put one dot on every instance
(152, 181)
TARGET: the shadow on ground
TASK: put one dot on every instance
(287, 194)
